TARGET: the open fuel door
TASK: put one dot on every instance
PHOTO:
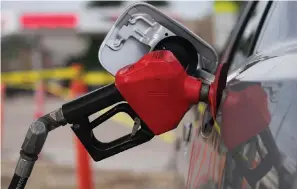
(143, 28)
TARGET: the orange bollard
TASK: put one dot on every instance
(83, 167)
(83, 163)
(3, 89)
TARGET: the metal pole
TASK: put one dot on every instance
(37, 64)
(3, 87)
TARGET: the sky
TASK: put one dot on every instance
(188, 9)
(41, 5)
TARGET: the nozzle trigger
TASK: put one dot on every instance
(136, 126)
(101, 150)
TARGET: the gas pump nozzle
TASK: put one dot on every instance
(156, 92)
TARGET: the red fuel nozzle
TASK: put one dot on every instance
(155, 92)
(159, 90)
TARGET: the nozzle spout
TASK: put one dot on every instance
(192, 87)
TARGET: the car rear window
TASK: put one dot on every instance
(281, 25)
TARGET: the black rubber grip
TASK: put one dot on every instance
(17, 182)
(91, 103)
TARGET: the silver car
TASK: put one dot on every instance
(252, 143)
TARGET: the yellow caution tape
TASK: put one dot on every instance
(225, 7)
(98, 78)
(217, 127)
(201, 110)
(124, 119)
(92, 78)
(31, 77)
(58, 90)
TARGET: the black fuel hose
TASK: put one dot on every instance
(17, 182)
(32, 146)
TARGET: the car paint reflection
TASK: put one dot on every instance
(258, 143)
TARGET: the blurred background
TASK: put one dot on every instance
(43, 43)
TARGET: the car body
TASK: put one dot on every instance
(253, 141)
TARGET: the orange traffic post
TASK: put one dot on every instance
(83, 167)
(3, 90)
(83, 162)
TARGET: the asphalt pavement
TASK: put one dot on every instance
(59, 148)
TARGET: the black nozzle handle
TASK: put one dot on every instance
(98, 150)
(18, 182)
(91, 103)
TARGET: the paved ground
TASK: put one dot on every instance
(59, 148)
(53, 176)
